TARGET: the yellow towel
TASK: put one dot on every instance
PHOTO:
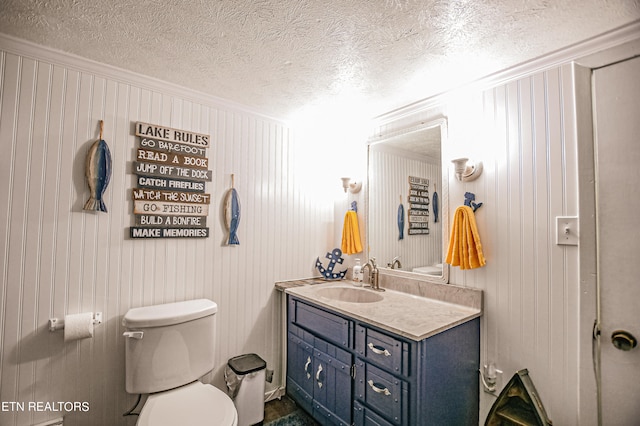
(465, 248)
(351, 234)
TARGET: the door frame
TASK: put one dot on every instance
(589, 400)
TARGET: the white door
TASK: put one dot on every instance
(617, 150)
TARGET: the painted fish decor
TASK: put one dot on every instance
(400, 220)
(232, 214)
(97, 170)
(434, 204)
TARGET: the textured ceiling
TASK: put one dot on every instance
(280, 57)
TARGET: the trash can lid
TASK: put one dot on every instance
(247, 363)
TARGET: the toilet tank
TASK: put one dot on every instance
(168, 345)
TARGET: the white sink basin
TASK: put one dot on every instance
(348, 294)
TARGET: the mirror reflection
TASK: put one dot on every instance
(406, 201)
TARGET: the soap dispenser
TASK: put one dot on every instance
(358, 276)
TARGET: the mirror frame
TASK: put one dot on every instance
(443, 193)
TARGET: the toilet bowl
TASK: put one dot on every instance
(194, 404)
(429, 270)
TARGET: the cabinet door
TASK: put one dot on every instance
(332, 389)
(300, 379)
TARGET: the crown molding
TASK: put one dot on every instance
(590, 53)
(24, 48)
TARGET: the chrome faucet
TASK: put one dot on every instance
(373, 274)
(394, 262)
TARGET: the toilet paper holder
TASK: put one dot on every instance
(58, 323)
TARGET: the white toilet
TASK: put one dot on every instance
(168, 347)
(429, 270)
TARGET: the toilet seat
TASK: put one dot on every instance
(192, 404)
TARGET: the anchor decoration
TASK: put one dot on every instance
(469, 198)
(334, 256)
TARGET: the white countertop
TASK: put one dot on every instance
(411, 316)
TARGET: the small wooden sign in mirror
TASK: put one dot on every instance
(418, 199)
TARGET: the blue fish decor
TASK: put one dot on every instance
(434, 204)
(334, 256)
(232, 214)
(401, 220)
(98, 173)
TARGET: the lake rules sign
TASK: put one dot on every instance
(172, 168)
(418, 206)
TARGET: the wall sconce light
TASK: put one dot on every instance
(466, 170)
(353, 187)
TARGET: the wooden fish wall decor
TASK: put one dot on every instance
(232, 214)
(98, 173)
(434, 204)
(401, 220)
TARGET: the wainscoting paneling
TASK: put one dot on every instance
(524, 133)
(57, 259)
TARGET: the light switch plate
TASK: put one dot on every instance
(567, 230)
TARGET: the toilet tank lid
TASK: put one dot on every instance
(169, 313)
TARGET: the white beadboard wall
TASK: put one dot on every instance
(531, 285)
(57, 259)
(387, 186)
(524, 132)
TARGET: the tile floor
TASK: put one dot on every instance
(278, 408)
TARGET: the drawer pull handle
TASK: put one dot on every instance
(306, 367)
(376, 389)
(318, 376)
(379, 350)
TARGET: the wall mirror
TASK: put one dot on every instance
(405, 167)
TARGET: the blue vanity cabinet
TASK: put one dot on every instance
(404, 382)
(449, 381)
(319, 363)
(345, 371)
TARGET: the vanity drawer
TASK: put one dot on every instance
(384, 393)
(324, 324)
(384, 350)
(363, 416)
